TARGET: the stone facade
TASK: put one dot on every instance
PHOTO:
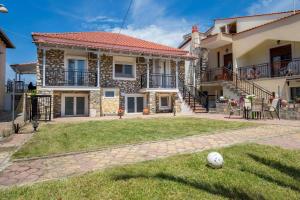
(98, 105)
(94, 103)
(110, 106)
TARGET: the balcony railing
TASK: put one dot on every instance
(218, 74)
(159, 81)
(281, 68)
(19, 86)
(71, 78)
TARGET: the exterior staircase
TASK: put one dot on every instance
(193, 99)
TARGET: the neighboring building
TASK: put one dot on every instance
(4, 43)
(257, 54)
(96, 73)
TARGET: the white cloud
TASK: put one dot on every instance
(155, 33)
(267, 6)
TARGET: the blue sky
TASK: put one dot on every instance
(155, 20)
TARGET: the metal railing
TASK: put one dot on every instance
(249, 87)
(281, 68)
(217, 74)
(158, 81)
(20, 86)
(194, 97)
(71, 78)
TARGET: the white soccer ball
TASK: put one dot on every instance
(215, 160)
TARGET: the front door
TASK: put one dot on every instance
(134, 103)
(280, 57)
(228, 61)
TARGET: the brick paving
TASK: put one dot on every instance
(29, 171)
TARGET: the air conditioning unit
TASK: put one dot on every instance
(92, 56)
(141, 60)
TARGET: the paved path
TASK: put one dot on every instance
(24, 172)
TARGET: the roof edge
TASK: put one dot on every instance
(6, 40)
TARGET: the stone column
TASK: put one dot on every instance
(152, 102)
(94, 103)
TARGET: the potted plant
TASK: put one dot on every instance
(146, 111)
(120, 112)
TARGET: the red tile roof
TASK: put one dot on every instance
(107, 41)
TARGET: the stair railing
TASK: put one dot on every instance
(249, 87)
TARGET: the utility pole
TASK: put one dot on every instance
(294, 6)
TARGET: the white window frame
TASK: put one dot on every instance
(74, 95)
(68, 57)
(124, 61)
(169, 102)
(135, 108)
(109, 90)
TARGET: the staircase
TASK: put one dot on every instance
(196, 101)
(243, 87)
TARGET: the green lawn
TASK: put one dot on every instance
(61, 138)
(250, 172)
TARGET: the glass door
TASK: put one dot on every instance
(134, 104)
(74, 106)
(69, 106)
(130, 104)
(75, 74)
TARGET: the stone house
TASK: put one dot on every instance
(96, 73)
(257, 54)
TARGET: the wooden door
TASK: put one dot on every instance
(280, 57)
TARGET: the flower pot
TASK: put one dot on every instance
(146, 111)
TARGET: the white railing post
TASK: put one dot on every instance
(98, 69)
(44, 67)
(177, 74)
(148, 73)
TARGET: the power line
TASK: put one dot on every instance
(17, 34)
(123, 22)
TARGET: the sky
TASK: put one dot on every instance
(162, 21)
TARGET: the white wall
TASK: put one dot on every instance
(246, 23)
(2, 74)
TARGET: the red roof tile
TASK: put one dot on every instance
(107, 41)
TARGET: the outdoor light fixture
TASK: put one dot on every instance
(3, 9)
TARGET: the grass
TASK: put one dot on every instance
(62, 138)
(250, 172)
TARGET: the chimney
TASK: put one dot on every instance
(195, 37)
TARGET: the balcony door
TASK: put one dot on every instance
(280, 58)
(75, 74)
(162, 74)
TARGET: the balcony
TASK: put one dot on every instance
(19, 87)
(281, 68)
(217, 74)
(71, 78)
(156, 81)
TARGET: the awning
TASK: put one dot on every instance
(24, 68)
(216, 41)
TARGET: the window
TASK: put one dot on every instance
(109, 94)
(124, 71)
(295, 93)
(165, 102)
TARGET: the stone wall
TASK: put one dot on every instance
(110, 106)
(94, 103)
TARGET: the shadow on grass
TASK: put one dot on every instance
(216, 189)
(288, 170)
(272, 180)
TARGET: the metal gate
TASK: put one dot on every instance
(38, 107)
